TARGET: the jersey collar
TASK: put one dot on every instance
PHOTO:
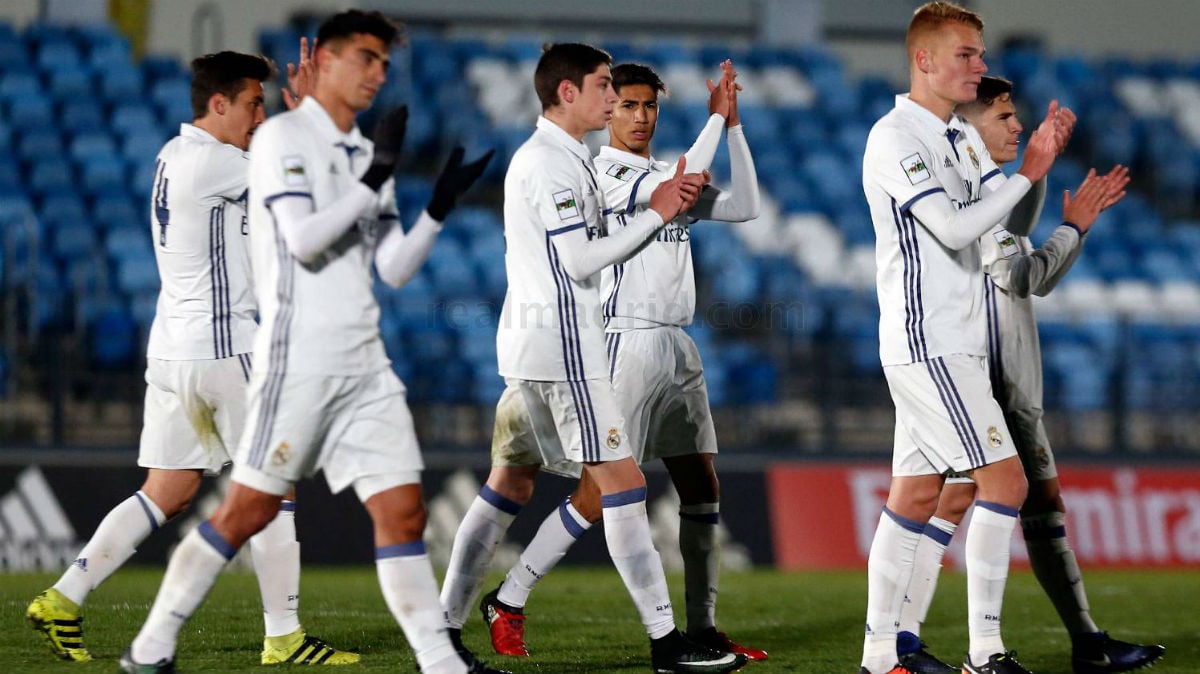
(193, 131)
(926, 118)
(309, 106)
(628, 158)
(556, 133)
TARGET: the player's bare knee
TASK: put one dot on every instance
(694, 478)
(514, 483)
(171, 490)
(1002, 482)
(954, 502)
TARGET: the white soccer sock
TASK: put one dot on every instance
(410, 590)
(926, 567)
(193, 570)
(481, 530)
(987, 551)
(115, 541)
(627, 532)
(889, 568)
(701, 563)
(276, 555)
(558, 533)
(1057, 570)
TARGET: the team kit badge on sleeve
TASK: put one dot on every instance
(566, 205)
(915, 168)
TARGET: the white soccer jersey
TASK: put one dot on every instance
(320, 317)
(206, 306)
(657, 286)
(551, 326)
(931, 299)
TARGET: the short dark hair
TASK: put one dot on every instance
(341, 26)
(990, 88)
(565, 61)
(636, 73)
(225, 73)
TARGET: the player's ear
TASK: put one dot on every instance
(567, 91)
(922, 57)
(218, 104)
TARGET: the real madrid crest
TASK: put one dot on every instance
(614, 438)
(994, 437)
(281, 454)
(974, 157)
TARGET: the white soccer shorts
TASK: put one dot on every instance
(1029, 435)
(349, 427)
(658, 379)
(558, 425)
(946, 417)
(194, 412)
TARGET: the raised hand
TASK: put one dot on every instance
(455, 179)
(1044, 146)
(1094, 195)
(680, 193)
(719, 93)
(301, 78)
(388, 139)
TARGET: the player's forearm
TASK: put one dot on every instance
(742, 202)
(401, 254)
(957, 228)
(699, 158)
(1040, 271)
(581, 258)
(1025, 214)
(308, 233)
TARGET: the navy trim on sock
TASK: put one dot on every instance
(401, 550)
(912, 526)
(940, 535)
(569, 522)
(623, 498)
(997, 508)
(210, 536)
(702, 518)
(146, 509)
(499, 502)
(289, 506)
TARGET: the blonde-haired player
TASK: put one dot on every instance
(924, 175)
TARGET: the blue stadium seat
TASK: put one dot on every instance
(52, 176)
(56, 54)
(129, 240)
(83, 117)
(104, 175)
(113, 339)
(119, 85)
(143, 306)
(74, 240)
(66, 84)
(111, 211)
(39, 144)
(62, 209)
(137, 274)
(132, 117)
(31, 113)
(15, 85)
(87, 147)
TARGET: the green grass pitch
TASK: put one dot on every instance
(581, 620)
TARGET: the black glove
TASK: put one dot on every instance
(455, 179)
(389, 138)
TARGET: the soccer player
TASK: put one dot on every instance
(558, 410)
(198, 361)
(1014, 270)
(322, 394)
(924, 174)
(654, 366)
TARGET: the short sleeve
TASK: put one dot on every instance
(554, 194)
(901, 165)
(277, 169)
(225, 173)
(989, 171)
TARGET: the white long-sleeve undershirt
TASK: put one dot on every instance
(307, 232)
(957, 228)
(400, 254)
(582, 258)
(742, 202)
